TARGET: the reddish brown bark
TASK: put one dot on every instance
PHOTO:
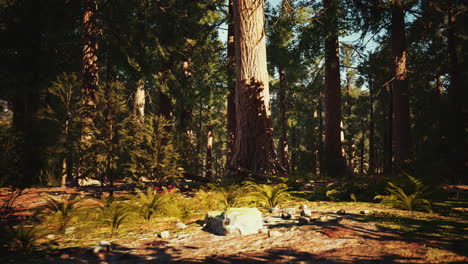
(401, 122)
(335, 162)
(371, 170)
(90, 73)
(283, 148)
(456, 135)
(254, 148)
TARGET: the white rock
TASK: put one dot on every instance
(181, 225)
(234, 221)
(50, 236)
(303, 206)
(291, 211)
(306, 212)
(164, 234)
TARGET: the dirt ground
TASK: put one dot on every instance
(337, 239)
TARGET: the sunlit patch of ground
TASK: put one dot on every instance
(384, 235)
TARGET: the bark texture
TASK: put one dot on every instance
(231, 99)
(335, 162)
(90, 73)
(283, 148)
(254, 149)
(401, 122)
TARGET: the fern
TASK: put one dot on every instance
(114, 215)
(148, 203)
(268, 195)
(63, 210)
(398, 198)
(22, 236)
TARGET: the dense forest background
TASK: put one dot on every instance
(143, 90)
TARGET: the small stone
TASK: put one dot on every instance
(102, 247)
(268, 220)
(274, 210)
(164, 234)
(303, 206)
(365, 212)
(273, 233)
(325, 218)
(303, 220)
(341, 212)
(306, 212)
(181, 225)
(50, 236)
(290, 211)
(285, 215)
(106, 245)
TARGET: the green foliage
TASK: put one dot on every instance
(62, 211)
(63, 116)
(398, 198)
(207, 199)
(148, 203)
(353, 197)
(268, 195)
(114, 215)
(230, 196)
(333, 194)
(23, 236)
(153, 158)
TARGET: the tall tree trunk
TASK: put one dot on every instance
(363, 137)
(335, 162)
(254, 148)
(90, 73)
(401, 122)
(371, 127)
(388, 131)
(231, 99)
(349, 136)
(65, 161)
(320, 136)
(283, 148)
(209, 154)
(456, 132)
(139, 101)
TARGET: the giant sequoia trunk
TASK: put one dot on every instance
(254, 149)
(335, 162)
(283, 148)
(401, 121)
(90, 73)
(456, 135)
(371, 170)
(231, 99)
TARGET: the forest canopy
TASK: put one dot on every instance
(169, 91)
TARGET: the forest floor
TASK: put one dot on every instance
(381, 235)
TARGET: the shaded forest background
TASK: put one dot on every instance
(162, 81)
